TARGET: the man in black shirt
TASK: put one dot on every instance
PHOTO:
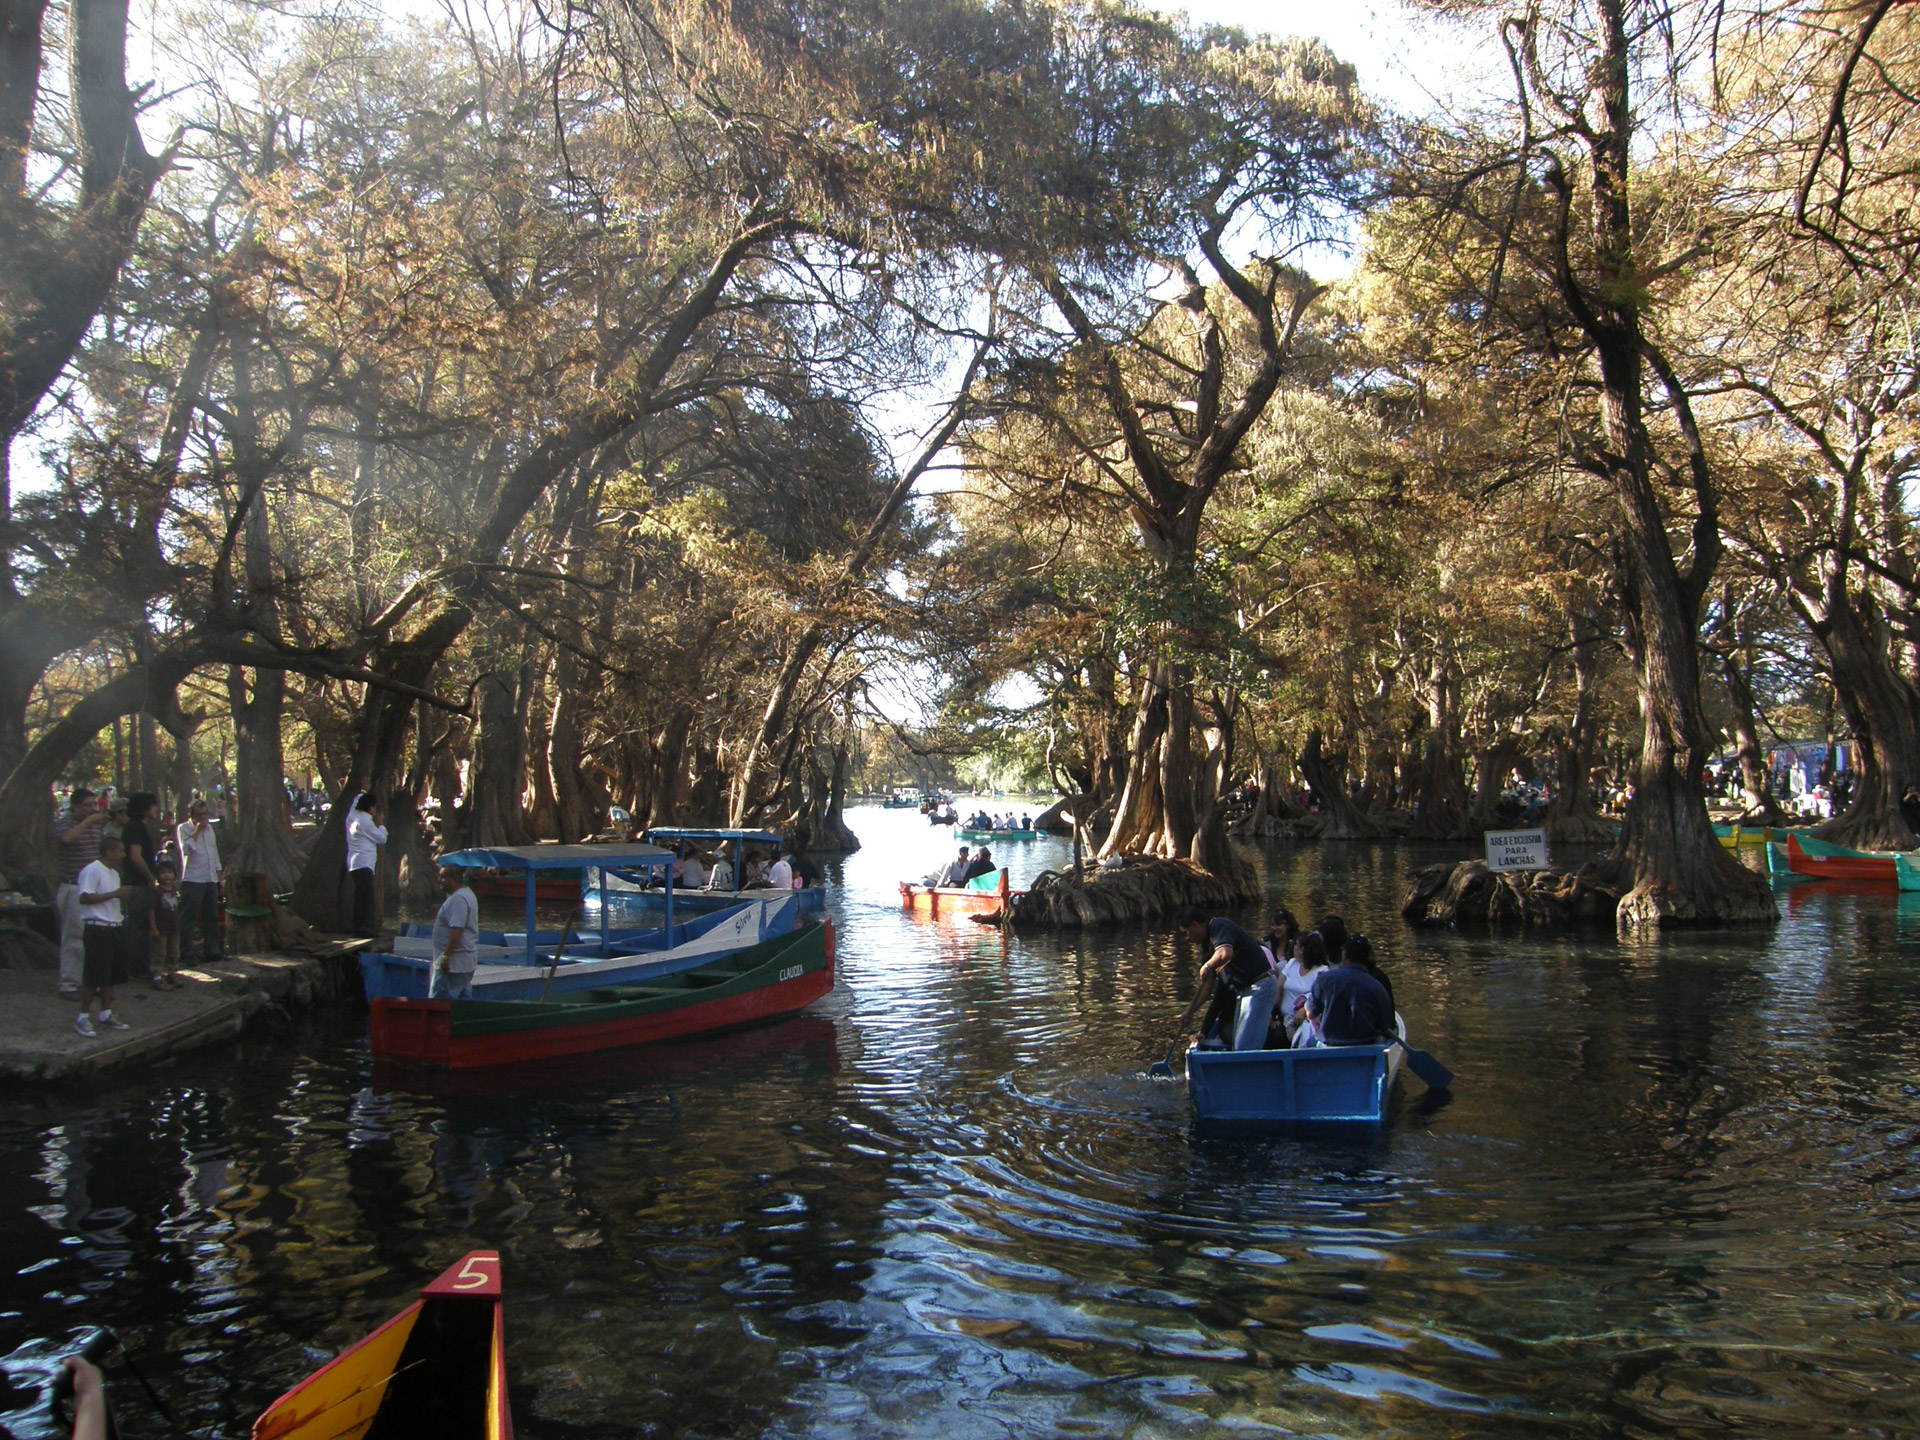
(981, 864)
(1247, 978)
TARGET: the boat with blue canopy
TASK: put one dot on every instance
(530, 963)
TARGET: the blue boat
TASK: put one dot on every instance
(512, 971)
(1327, 1085)
(528, 964)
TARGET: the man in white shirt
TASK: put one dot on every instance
(456, 939)
(365, 834)
(690, 874)
(780, 875)
(721, 876)
(199, 884)
(103, 962)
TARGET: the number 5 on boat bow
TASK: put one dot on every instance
(436, 1371)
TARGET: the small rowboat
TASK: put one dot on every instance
(763, 982)
(1843, 865)
(991, 835)
(1327, 1085)
(983, 895)
(436, 1371)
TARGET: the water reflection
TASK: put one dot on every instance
(1672, 1192)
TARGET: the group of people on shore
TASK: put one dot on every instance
(1290, 988)
(130, 904)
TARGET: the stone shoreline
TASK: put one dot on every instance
(38, 1044)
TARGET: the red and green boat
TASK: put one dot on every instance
(763, 982)
(1820, 860)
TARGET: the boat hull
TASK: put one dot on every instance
(1851, 865)
(992, 835)
(771, 980)
(1906, 870)
(1339, 1085)
(935, 901)
(436, 1371)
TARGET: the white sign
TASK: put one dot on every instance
(1516, 849)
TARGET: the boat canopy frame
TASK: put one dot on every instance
(630, 862)
(741, 839)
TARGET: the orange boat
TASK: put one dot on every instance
(970, 899)
(436, 1371)
(1880, 868)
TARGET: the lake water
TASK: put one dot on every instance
(1673, 1193)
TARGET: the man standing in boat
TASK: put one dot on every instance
(1245, 973)
(456, 939)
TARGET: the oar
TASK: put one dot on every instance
(1435, 1075)
(1162, 1069)
(556, 952)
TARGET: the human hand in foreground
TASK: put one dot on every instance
(89, 1399)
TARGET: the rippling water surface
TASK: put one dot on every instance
(1674, 1193)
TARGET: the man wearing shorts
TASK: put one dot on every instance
(103, 955)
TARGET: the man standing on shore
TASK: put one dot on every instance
(199, 885)
(104, 961)
(78, 841)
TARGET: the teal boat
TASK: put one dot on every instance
(1906, 870)
(991, 835)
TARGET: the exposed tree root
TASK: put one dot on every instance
(1140, 888)
(1470, 894)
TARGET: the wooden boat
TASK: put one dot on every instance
(765, 982)
(992, 835)
(436, 1371)
(973, 898)
(1845, 865)
(513, 971)
(1327, 1085)
(1906, 870)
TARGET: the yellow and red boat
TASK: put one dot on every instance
(436, 1371)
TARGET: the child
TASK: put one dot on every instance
(166, 926)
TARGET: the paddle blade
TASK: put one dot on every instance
(1160, 1070)
(1432, 1073)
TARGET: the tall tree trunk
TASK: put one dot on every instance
(1340, 818)
(1756, 785)
(263, 842)
(1442, 801)
(1137, 810)
(1883, 710)
(490, 813)
(1573, 817)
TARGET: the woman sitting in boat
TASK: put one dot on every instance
(756, 878)
(1347, 1005)
(1296, 984)
(1247, 981)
